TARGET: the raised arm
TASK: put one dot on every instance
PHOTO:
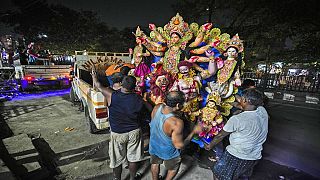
(218, 138)
(106, 91)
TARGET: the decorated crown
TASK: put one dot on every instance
(235, 42)
(177, 25)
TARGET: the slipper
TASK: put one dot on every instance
(212, 159)
(138, 176)
(160, 177)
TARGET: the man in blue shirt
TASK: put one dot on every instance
(125, 110)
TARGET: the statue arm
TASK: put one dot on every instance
(198, 39)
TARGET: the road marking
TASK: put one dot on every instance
(310, 108)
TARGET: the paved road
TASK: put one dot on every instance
(293, 141)
(294, 136)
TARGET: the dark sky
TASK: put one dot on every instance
(121, 13)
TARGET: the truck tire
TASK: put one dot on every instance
(81, 106)
(72, 96)
(90, 125)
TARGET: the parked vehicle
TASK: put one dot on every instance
(92, 102)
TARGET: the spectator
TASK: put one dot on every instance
(117, 80)
(125, 70)
(248, 131)
(125, 108)
(246, 84)
(166, 139)
(116, 68)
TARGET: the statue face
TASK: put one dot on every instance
(184, 87)
(174, 38)
(162, 82)
(211, 104)
(184, 70)
(232, 52)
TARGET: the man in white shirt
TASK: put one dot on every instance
(248, 131)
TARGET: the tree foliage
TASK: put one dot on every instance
(290, 28)
(66, 29)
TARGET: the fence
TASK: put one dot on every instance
(286, 83)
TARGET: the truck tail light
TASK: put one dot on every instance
(28, 78)
(101, 112)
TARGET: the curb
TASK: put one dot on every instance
(299, 98)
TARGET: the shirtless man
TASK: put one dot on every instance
(166, 139)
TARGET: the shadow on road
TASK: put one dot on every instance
(20, 110)
(96, 152)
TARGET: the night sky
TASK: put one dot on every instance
(119, 13)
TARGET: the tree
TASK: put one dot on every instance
(290, 28)
(65, 29)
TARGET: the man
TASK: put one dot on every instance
(248, 131)
(117, 68)
(126, 138)
(117, 80)
(166, 139)
(246, 84)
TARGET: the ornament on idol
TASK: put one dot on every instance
(188, 83)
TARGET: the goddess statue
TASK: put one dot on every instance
(139, 55)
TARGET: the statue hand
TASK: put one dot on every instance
(207, 26)
(130, 51)
(215, 43)
(193, 59)
(142, 39)
(220, 62)
(93, 71)
(152, 27)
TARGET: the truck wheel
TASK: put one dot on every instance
(81, 106)
(72, 96)
(90, 125)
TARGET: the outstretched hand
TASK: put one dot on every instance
(152, 27)
(93, 71)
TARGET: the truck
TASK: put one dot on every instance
(42, 69)
(30, 76)
(91, 101)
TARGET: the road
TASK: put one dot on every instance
(293, 139)
(294, 133)
(80, 153)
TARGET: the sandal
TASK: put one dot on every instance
(213, 159)
(138, 176)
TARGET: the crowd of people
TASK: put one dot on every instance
(187, 94)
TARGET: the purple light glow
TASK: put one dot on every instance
(39, 95)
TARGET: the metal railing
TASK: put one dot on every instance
(284, 82)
